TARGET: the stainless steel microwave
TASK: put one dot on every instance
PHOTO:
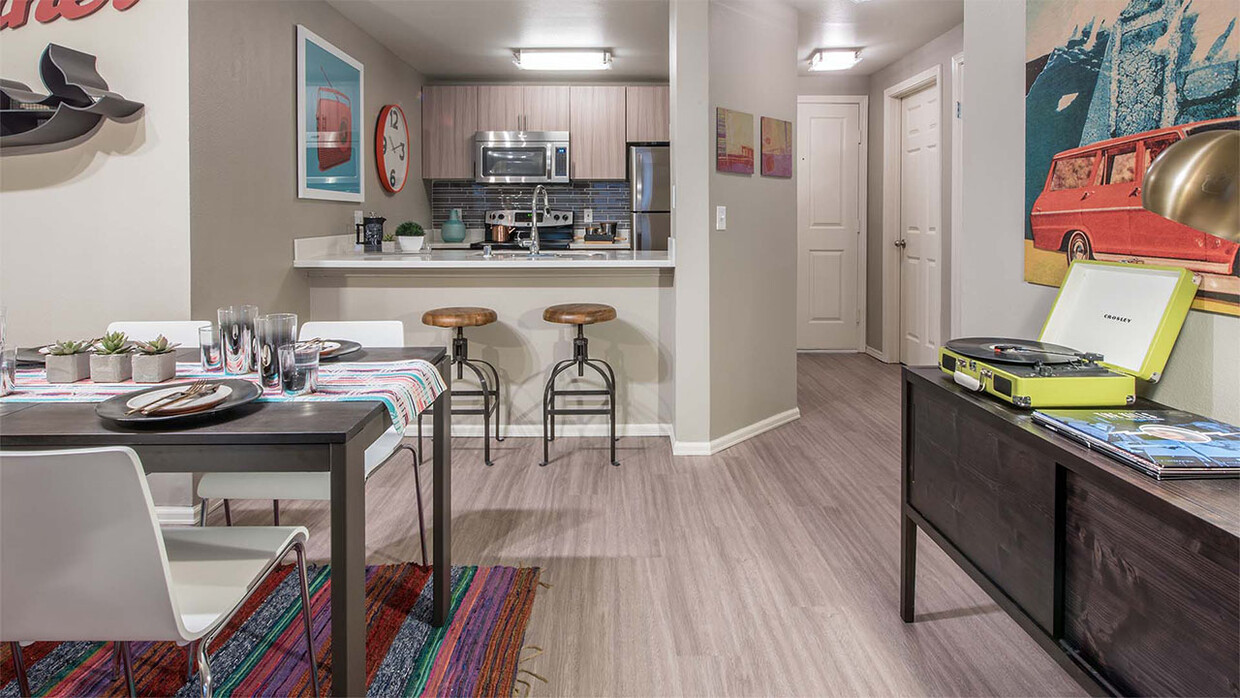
(520, 157)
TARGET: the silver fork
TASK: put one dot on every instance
(170, 398)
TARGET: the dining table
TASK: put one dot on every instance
(319, 435)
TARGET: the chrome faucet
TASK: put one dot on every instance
(533, 242)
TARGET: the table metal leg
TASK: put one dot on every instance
(908, 567)
(348, 526)
(442, 522)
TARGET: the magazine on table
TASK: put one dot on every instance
(1166, 444)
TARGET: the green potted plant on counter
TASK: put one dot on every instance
(110, 362)
(155, 362)
(410, 236)
(68, 361)
(389, 242)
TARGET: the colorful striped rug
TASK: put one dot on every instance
(261, 652)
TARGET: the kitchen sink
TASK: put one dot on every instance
(504, 254)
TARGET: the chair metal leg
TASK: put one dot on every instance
(417, 485)
(19, 667)
(548, 405)
(495, 374)
(116, 660)
(127, 660)
(305, 614)
(486, 410)
(189, 662)
(204, 667)
(227, 514)
(420, 451)
(202, 514)
(609, 381)
(275, 510)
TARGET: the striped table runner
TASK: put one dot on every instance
(405, 387)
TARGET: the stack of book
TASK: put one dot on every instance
(1166, 444)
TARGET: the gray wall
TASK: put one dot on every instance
(939, 52)
(244, 210)
(753, 263)
(1203, 374)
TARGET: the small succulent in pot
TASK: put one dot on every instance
(410, 235)
(155, 362)
(110, 362)
(68, 361)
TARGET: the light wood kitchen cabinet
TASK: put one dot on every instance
(449, 120)
(597, 132)
(545, 107)
(500, 107)
(648, 113)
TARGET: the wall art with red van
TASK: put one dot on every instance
(329, 121)
(1109, 84)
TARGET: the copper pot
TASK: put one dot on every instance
(500, 233)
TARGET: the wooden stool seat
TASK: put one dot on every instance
(579, 313)
(459, 317)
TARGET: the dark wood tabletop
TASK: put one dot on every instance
(1215, 501)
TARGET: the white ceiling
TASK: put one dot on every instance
(474, 39)
(884, 30)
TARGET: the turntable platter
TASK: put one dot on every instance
(1017, 351)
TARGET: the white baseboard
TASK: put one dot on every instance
(177, 515)
(709, 448)
(881, 356)
(535, 430)
(828, 351)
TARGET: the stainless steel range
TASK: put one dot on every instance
(505, 227)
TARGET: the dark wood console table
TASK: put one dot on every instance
(1131, 584)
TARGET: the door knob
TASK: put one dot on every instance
(900, 243)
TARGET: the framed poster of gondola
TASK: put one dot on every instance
(330, 156)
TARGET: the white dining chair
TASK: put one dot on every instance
(84, 559)
(317, 486)
(183, 332)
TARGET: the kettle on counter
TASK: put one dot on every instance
(370, 233)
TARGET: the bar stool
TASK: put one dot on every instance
(579, 314)
(458, 319)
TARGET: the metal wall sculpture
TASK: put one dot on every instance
(78, 103)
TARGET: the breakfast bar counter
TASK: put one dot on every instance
(338, 252)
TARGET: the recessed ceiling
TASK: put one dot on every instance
(474, 39)
(884, 30)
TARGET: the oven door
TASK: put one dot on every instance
(512, 163)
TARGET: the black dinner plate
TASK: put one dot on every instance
(114, 408)
(347, 347)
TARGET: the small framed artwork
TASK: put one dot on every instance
(733, 141)
(330, 104)
(776, 147)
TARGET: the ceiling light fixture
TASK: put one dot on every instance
(834, 59)
(561, 59)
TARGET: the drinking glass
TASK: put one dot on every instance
(8, 371)
(209, 347)
(237, 336)
(299, 367)
(274, 331)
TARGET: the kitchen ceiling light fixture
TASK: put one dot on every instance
(561, 59)
(834, 59)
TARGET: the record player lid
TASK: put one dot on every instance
(1131, 314)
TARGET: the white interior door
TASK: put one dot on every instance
(828, 226)
(920, 237)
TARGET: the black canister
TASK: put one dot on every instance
(372, 232)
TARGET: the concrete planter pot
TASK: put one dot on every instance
(411, 243)
(70, 368)
(110, 368)
(388, 246)
(154, 368)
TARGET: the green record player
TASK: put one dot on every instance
(1111, 324)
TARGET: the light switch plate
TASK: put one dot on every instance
(588, 214)
(721, 218)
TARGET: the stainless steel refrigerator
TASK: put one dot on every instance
(650, 178)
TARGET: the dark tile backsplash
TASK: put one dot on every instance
(610, 201)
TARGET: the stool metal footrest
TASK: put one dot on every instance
(488, 379)
(581, 359)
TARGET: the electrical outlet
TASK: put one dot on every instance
(588, 214)
(721, 218)
(357, 218)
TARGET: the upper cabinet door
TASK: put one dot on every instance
(596, 132)
(545, 108)
(449, 120)
(648, 113)
(499, 108)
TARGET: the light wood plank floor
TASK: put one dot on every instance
(768, 569)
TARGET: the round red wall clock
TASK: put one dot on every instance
(392, 147)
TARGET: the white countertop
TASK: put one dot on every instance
(334, 253)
